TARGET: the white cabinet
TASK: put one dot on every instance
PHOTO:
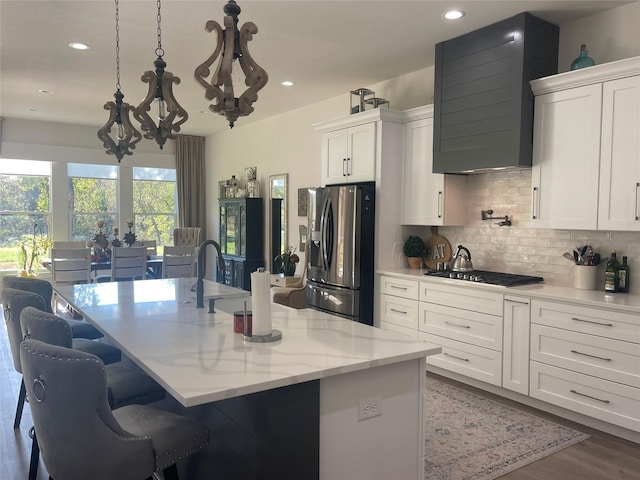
(468, 325)
(619, 205)
(398, 306)
(586, 155)
(586, 360)
(349, 155)
(515, 344)
(428, 198)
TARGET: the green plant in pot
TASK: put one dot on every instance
(414, 249)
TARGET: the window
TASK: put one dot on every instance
(25, 201)
(154, 204)
(93, 193)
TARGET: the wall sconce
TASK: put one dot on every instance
(488, 215)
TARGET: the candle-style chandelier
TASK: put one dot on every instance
(126, 134)
(232, 43)
(160, 90)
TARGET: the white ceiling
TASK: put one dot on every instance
(326, 47)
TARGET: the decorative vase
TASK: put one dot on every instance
(583, 60)
(414, 262)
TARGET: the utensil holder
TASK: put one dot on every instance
(585, 277)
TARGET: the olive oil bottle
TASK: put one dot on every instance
(623, 276)
(611, 278)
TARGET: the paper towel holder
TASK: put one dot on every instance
(274, 336)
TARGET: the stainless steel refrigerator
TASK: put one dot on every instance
(340, 258)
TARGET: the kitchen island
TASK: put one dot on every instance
(333, 399)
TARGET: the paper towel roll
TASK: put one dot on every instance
(261, 303)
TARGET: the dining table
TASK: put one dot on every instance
(331, 399)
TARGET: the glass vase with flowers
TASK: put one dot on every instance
(285, 263)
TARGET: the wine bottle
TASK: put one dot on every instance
(611, 274)
(623, 276)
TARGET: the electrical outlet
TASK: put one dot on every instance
(369, 407)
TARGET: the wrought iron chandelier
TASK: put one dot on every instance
(126, 134)
(170, 114)
(232, 43)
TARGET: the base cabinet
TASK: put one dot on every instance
(586, 360)
(515, 344)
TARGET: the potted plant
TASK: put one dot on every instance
(414, 249)
(30, 249)
(286, 262)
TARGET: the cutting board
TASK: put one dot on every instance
(438, 249)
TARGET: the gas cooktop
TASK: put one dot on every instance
(483, 276)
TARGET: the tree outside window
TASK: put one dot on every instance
(154, 204)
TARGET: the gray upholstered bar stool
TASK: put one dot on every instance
(80, 328)
(78, 434)
(125, 386)
(13, 302)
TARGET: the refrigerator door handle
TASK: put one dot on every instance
(326, 227)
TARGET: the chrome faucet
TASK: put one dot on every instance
(202, 269)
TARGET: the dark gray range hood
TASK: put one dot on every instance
(483, 104)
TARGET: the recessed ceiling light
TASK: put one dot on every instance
(45, 92)
(79, 46)
(453, 14)
(287, 83)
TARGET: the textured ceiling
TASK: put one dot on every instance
(325, 47)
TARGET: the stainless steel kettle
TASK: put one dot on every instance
(461, 260)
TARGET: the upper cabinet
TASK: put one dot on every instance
(586, 155)
(482, 100)
(428, 198)
(352, 146)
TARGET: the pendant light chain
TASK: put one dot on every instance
(117, 47)
(159, 50)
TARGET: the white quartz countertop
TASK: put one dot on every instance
(198, 358)
(624, 302)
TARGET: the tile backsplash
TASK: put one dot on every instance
(521, 248)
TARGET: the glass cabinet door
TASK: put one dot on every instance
(232, 230)
(242, 244)
(223, 228)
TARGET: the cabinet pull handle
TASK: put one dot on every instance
(344, 163)
(591, 321)
(398, 311)
(456, 324)
(440, 202)
(516, 301)
(589, 355)
(534, 202)
(457, 358)
(398, 288)
(637, 190)
(589, 396)
(349, 166)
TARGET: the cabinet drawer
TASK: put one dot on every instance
(465, 298)
(399, 287)
(399, 311)
(601, 357)
(471, 327)
(608, 401)
(475, 362)
(392, 327)
(593, 321)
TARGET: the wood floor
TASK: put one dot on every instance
(601, 457)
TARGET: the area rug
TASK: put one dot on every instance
(470, 437)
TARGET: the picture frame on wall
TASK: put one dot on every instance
(303, 193)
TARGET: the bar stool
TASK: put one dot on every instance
(78, 434)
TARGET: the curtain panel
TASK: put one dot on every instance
(190, 179)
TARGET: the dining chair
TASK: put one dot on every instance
(293, 295)
(152, 246)
(187, 236)
(80, 437)
(125, 386)
(80, 328)
(178, 262)
(128, 263)
(13, 302)
(69, 244)
(70, 266)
